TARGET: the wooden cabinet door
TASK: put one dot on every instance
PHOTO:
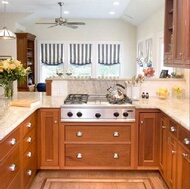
(171, 161)
(183, 168)
(187, 33)
(148, 139)
(179, 31)
(49, 123)
(163, 143)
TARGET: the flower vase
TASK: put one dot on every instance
(8, 89)
(135, 92)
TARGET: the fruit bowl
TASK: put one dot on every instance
(162, 93)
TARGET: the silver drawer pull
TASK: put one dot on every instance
(184, 155)
(29, 154)
(13, 141)
(173, 151)
(116, 134)
(186, 141)
(29, 125)
(116, 156)
(29, 140)
(12, 167)
(79, 134)
(79, 156)
(29, 172)
(172, 129)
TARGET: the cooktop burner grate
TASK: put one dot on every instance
(76, 99)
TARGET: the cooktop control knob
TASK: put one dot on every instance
(125, 114)
(97, 115)
(79, 114)
(69, 114)
(116, 114)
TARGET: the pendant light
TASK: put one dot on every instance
(5, 33)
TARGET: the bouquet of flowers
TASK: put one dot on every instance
(11, 70)
(136, 80)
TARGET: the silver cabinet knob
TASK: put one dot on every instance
(173, 151)
(29, 172)
(55, 121)
(172, 129)
(29, 154)
(116, 156)
(184, 155)
(79, 134)
(163, 127)
(29, 124)
(12, 167)
(186, 141)
(13, 141)
(79, 156)
(141, 122)
(116, 134)
(29, 140)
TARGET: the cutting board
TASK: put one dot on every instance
(24, 102)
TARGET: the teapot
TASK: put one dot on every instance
(115, 94)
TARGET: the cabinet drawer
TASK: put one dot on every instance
(28, 125)
(100, 133)
(10, 167)
(29, 154)
(184, 137)
(173, 128)
(28, 139)
(8, 144)
(29, 172)
(98, 155)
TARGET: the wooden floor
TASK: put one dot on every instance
(98, 180)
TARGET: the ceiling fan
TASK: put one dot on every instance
(62, 21)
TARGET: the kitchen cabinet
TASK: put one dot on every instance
(148, 129)
(10, 166)
(163, 143)
(28, 150)
(97, 145)
(48, 139)
(26, 54)
(183, 159)
(176, 34)
(171, 154)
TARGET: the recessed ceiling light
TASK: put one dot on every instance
(116, 3)
(66, 12)
(111, 12)
(5, 2)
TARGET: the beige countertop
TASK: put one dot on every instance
(11, 116)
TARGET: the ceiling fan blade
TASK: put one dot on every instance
(53, 26)
(71, 26)
(76, 23)
(45, 23)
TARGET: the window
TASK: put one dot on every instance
(83, 59)
(108, 60)
(80, 56)
(51, 59)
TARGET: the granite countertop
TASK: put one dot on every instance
(11, 116)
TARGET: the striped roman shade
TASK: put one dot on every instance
(52, 53)
(108, 54)
(80, 54)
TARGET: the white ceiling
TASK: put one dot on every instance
(133, 11)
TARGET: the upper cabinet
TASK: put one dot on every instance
(26, 54)
(176, 34)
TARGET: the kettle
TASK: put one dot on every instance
(115, 94)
